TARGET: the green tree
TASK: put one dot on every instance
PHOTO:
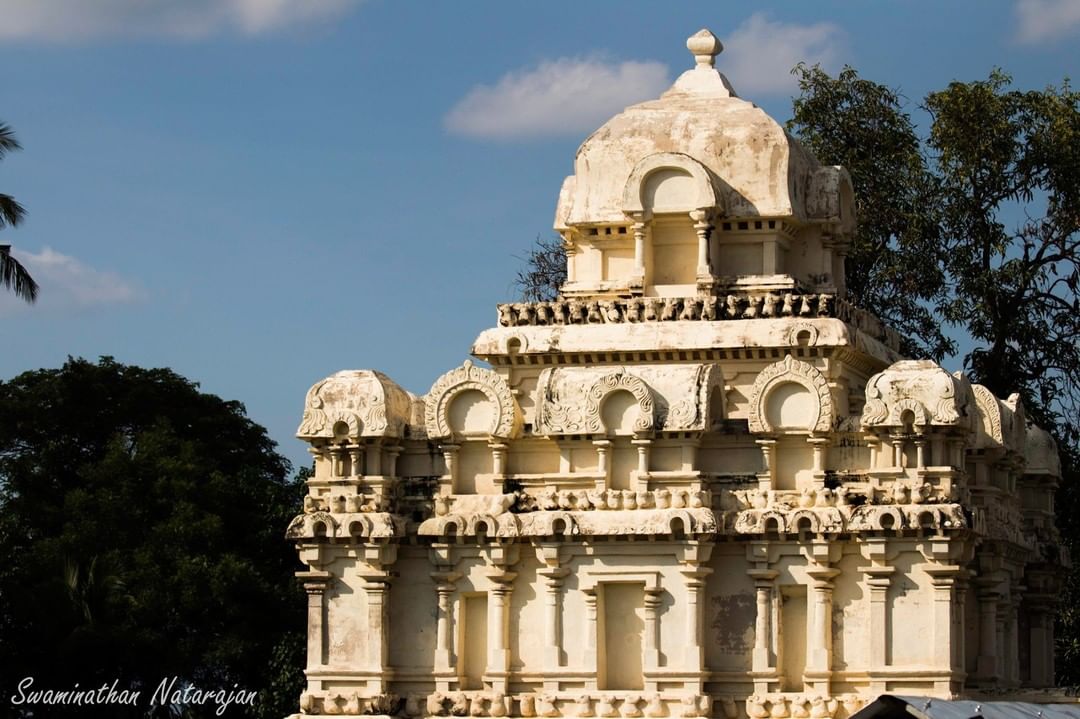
(989, 202)
(895, 266)
(13, 275)
(141, 537)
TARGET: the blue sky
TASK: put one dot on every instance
(258, 193)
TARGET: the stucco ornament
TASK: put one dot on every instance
(353, 404)
(931, 395)
(614, 382)
(506, 419)
(788, 370)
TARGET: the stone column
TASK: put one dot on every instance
(640, 230)
(356, 460)
(943, 579)
(589, 661)
(316, 583)
(603, 466)
(1012, 634)
(819, 630)
(450, 456)
(498, 459)
(643, 446)
(767, 480)
(695, 648)
(376, 587)
(499, 625)
(987, 666)
(878, 578)
(553, 582)
(653, 600)
(701, 229)
(763, 658)
(444, 588)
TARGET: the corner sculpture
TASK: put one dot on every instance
(699, 484)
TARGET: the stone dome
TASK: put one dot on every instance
(728, 154)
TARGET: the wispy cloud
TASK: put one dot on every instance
(67, 284)
(567, 96)
(759, 54)
(1046, 20)
(81, 19)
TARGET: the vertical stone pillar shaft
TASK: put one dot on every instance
(603, 463)
(590, 659)
(763, 658)
(444, 588)
(695, 647)
(652, 628)
(553, 583)
(701, 229)
(878, 579)
(987, 662)
(499, 626)
(316, 584)
(819, 639)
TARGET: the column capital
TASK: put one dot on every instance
(315, 581)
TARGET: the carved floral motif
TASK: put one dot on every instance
(507, 420)
(790, 370)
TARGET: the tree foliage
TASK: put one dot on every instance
(895, 265)
(13, 275)
(997, 184)
(544, 271)
(141, 537)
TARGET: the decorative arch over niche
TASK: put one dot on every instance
(506, 418)
(607, 385)
(790, 370)
(704, 193)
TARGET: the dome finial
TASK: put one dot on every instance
(705, 47)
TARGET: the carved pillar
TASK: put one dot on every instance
(499, 625)
(920, 448)
(450, 457)
(896, 439)
(590, 659)
(767, 480)
(695, 648)
(603, 464)
(316, 583)
(643, 446)
(819, 634)
(1012, 634)
(356, 460)
(701, 228)
(444, 588)
(392, 454)
(653, 600)
(763, 658)
(553, 582)
(337, 461)
(874, 444)
(943, 578)
(498, 459)
(986, 666)
(640, 230)
(820, 445)
(374, 459)
(878, 578)
(375, 581)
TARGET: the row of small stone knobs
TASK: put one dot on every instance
(842, 496)
(621, 499)
(574, 312)
(345, 504)
(630, 706)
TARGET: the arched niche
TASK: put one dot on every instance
(790, 396)
(668, 182)
(471, 401)
(619, 398)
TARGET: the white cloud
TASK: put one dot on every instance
(1046, 20)
(567, 96)
(66, 284)
(80, 19)
(759, 54)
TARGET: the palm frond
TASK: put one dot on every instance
(11, 212)
(8, 143)
(15, 277)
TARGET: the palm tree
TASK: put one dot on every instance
(13, 275)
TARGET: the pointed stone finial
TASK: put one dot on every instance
(705, 47)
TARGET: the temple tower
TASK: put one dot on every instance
(698, 484)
